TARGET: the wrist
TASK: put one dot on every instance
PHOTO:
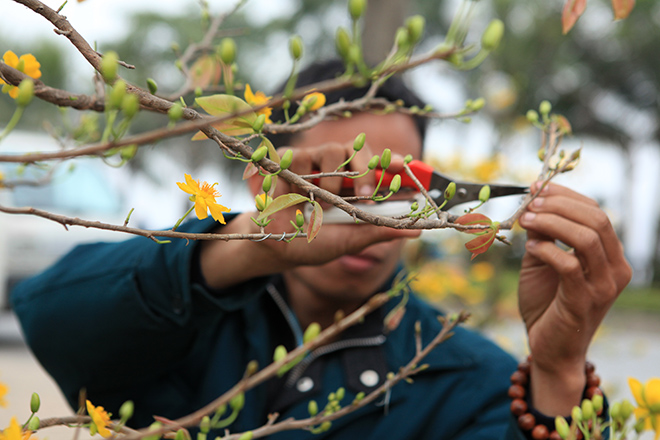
(555, 391)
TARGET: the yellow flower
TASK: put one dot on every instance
(258, 99)
(320, 100)
(204, 199)
(648, 403)
(100, 419)
(27, 64)
(4, 389)
(482, 272)
(15, 432)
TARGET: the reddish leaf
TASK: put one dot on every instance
(573, 9)
(204, 71)
(250, 170)
(474, 219)
(486, 237)
(481, 244)
(393, 319)
(622, 8)
(315, 221)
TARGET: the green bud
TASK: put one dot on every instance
(597, 400)
(205, 424)
(373, 162)
(615, 410)
(325, 426)
(287, 158)
(252, 367)
(561, 425)
(492, 36)
(180, 435)
(415, 206)
(128, 153)
(385, 158)
(126, 410)
(259, 203)
(175, 112)
(395, 184)
(640, 426)
(358, 143)
(237, 402)
(478, 104)
(247, 435)
(130, 105)
(153, 87)
(587, 409)
(340, 394)
(313, 408)
(332, 397)
(259, 154)
(109, 66)
(576, 413)
(532, 116)
(259, 123)
(428, 108)
(280, 353)
(117, 94)
(25, 92)
(198, 91)
(402, 39)
(450, 191)
(342, 42)
(175, 46)
(360, 396)
(221, 410)
(626, 409)
(353, 54)
(484, 193)
(34, 424)
(356, 8)
(296, 47)
(153, 427)
(415, 25)
(545, 107)
(407, 159)
(35, 402)
(227, 50)
(267, 183)
(311, 332)
(300, 218)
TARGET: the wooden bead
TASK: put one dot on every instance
(524, 367)
(518, 407)
(540, 432)
(554, 435)
(592, 391)
(519, 378)
(589, 368)
(516, 392)
(593, 380)
(526, 422)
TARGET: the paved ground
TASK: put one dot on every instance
(628, 345)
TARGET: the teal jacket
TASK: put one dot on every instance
(132, 320)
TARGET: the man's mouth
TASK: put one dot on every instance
(358, 263)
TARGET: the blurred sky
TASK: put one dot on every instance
(600, 175)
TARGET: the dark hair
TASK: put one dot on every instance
(393, 89)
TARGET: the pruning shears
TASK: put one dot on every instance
(433, 182)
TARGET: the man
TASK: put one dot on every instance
(173, 326)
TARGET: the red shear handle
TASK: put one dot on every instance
(422, 171)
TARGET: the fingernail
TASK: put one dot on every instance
(532, 243)
(538, 201)
(365, 190)
(528, 217)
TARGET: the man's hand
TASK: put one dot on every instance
(564, 294)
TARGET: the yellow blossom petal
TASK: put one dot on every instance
(10, 59)
(192, 183)
(258, 99)
(14, 431)
(4, 389)
(217, 210)
(652, 394)
(636, 389)
(31, 66)
(320, 100)
(201, 210)
(100, 418)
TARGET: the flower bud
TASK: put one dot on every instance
(287, 158)
(356, 8)
(198, 91)
(311, 332)
(532, 116)
(415, 206)
(340, 394)
(126, 410)
(626, 409)
(373, 162)
(259, 123)
(34, 424)
(545, 107)
(342, 42)
(153, 87)
(267, 183)
(615, 411)
(300, 218)
(587, 409)
(175, 112)
(541, 154)
(395, 184)
(180, 435)
(109, 66)
(561, 425)
(640, 425)
(313, 408)
(450, 191)
(478, 104)
(280, 353)
(576, 413)
(35, 402)
(407, 159)
(296, 47)
(237, 402)
(385, 158)
(259, 154)
(353, 54)
(358, 143)
(25, 92)
(130, 105)
(205, 424)
(128, 153)
(492, 36)
(415, 26)
(597, 401)
(325, 426)
(227, 50)
(484, 193)
(117, 95)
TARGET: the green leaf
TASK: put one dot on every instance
(272, 152)
(315, 222)
(228, 105)
(282, 202)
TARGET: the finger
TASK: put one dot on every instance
(552, 189)
(329, 157)
(301, 164)
(364, 186)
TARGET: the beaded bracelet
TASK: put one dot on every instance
(519, 407)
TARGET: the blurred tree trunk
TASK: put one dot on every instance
(382, 19)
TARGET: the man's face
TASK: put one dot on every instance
(351, 279)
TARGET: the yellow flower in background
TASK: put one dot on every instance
(487, 170)
(482, 272)
(27, 64)
(258, 99)
(204, 198)
(320, 100)
(4, 389)
(15, 432)
(100, 419)
(648, 403)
